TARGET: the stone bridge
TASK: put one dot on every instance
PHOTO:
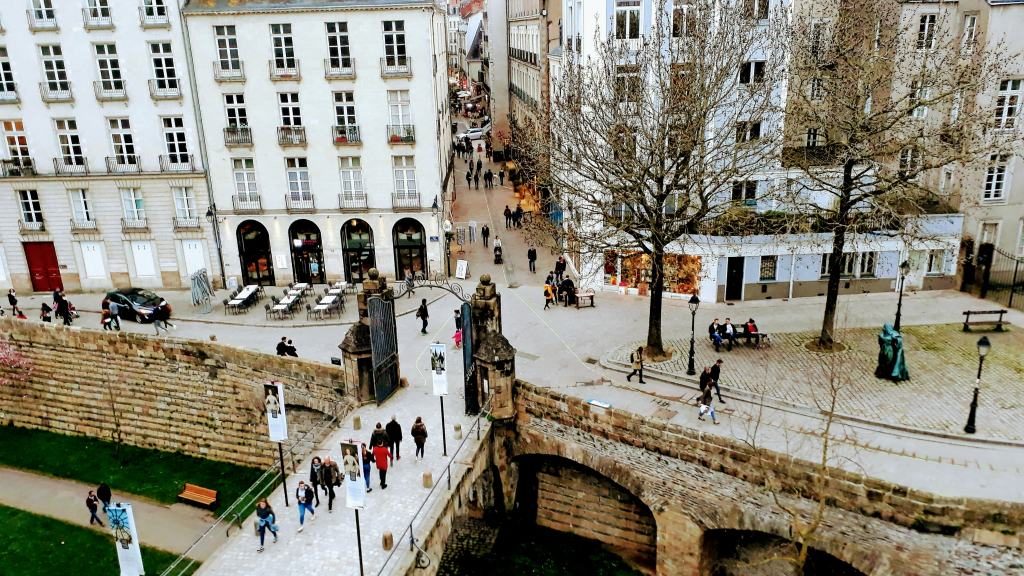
(668, 497)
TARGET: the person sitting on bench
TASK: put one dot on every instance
(713, 333)
(728, 333)
(750, 331)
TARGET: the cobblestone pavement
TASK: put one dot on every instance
(942, 360)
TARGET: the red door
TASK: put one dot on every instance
(42, 266)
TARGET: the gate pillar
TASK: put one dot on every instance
(356, 351)
(493, 356)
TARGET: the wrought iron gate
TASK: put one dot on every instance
(1002, 276)
(383, 347)
(468, 365)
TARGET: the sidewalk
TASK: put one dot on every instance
(171, 528)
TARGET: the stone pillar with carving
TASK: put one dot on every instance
(355, 348)
(493, 356)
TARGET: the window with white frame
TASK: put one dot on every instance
(813, 138)
(7, 84)
(926, 32)
(234, 108)
(817, 88)
(43, 10)
(54, 70)
(868, 261)
(627, 19)
(743, 190)
(98, 9)
(298, 180)
(109, 67)
(244, 172)
(847, 265)
(989, 233)
(174, 139)
(69, 141)
(31, 209)
(283, 46)
(351, 173)
(1008, 103)
(627, 84)
(748, 131)
(338, 50)
(919, 93)
(133, 204)
(80, 205)
(969, 36)
(17, 142)
(163, 66)
(291, 114)
(752, 72)
(995, 178)
(154, 8)
(184, 202)
(394, 43)
(769, 268)
(227, 48)
(400, 107)
(122, 141)
(405, 177)
(684, 18)
(910, 161)
(936, 262)
(345, 108)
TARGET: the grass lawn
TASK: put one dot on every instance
(149, 473)
(36, 545)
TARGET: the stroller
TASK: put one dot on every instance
(497, 255)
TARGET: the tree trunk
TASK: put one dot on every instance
(655, 346)
(835, 260)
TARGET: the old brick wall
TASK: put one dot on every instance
(198, 398)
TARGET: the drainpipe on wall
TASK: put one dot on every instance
(792, 270)
(202, 142)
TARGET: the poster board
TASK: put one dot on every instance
(439, 368)
(352, 475)
(277, 422)
(126, 539)
(462, 269)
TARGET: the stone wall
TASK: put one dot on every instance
(198, 398)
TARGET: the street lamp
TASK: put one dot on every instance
(904, 270)
(983, 349)
(694, 303)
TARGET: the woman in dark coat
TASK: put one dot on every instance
(419, 436)
(315, 470)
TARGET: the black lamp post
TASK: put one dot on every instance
(694, 303)
(435, 210)
(983, 348)
(904, 270)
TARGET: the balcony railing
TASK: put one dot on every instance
(56, 91)
(401, 133)
(152, 18)
(94, 19)
(225, 71)
(405, 201)
(16, 167)
(186, 223)
(134, 224)
(9, 94)
(299, 203)
(177, 163)
(247, 203)
(396, 67)
(237, 136)
(352, 201)
(80, 225)
(168, 91)
(42, 20)
(70, 166)
(123, 164)
(280, 70)
(110, 91)
(347, 136)
(340, 69)
(291, 135)
(31, 226)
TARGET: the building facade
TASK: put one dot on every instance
(102, 182)
(328, 133)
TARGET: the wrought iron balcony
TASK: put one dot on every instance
(405, 201)
(229, 71)
(95, 19)
(81, 225)
(186, 223)
(347, 136)
(246, 203)
(59, 91)
(134, 224)
(42, 20)
(110, 90)
(396, 67)
(338, 69)
(352, 201)
(9, 94)
(291, 135)
(123, 164)
(72, 165)
(31, 226)
(17, 167)
(177, 163)
(401, 133)
(299, 203)
(284, 70)
(165, 89)
(151, 17)
(237, 136)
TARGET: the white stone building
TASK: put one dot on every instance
(102, 182)
(327, 131)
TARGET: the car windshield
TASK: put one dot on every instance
(143, 298)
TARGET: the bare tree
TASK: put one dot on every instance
(647, 135)
(881, 97)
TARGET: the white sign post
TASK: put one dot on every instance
(126, 539)
(277, 424)
(439, 377)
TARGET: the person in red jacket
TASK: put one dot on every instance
(382, 456)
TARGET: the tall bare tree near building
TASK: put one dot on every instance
(882, 95)
(650, 132)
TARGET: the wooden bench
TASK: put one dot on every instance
(198, 495)
(581, 296)
(997, 323)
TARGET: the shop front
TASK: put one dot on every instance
(357, 250)
(254, 249)
(307, 252)
(410, 244)
(632, 270)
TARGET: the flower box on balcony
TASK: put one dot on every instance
(395, 138)
(341, 140)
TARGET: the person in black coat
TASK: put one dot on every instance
(716, 372)
(568, 291)
(705, 378)
(282, 346)
(485, 233)
(531, 255)
(394, 432)
(315, 470)
(93, 504)
(103, 493)
(378, 436)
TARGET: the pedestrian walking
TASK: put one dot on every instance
(559, 269)
(367, 462)
(304, 495)
(394, 430)
(161, 315)
(716, 373)
(707, 406)
(378, 435)
(501, 176)
(705, 378)
(410, 283)
(382, 457)
(508, 217)
(423, 314)
(105, 319)
(315, 470)
(419, 436)
(44, 312)
(115, 315)
(531, 255)
(485, 233)
(469, 178)
(490, 178)
(551, 278)
(103, 493)
(517, 216)
(12, 299)
(93, 504)
(549, 295)
(62, 306)
(265, 521)
(636, 361)
(479, 165)
(497, 242)
(457, 337)
(330, 477)
(476, 179)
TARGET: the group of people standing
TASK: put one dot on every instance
(96, 498)
(557, 286)
(514, 218)
(63, 307)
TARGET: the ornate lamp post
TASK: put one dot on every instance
(904, 270)
(983, 348)
(447, 228)
(694, 303)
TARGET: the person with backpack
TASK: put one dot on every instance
(549, 295)
(636, 361)
(423, 315)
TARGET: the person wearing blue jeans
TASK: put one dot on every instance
(265, 520)
(367, 462)
(304, 496)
